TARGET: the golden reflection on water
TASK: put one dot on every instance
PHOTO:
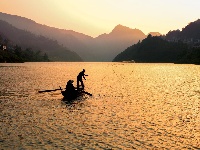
(134, 106)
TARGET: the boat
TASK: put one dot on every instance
(71, 96)
(75, 95)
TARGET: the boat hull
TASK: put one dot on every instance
(69, 97)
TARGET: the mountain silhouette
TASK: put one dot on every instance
(109, 45)
(176, 47)
(102, 48)
(26, 39)
(72, 40)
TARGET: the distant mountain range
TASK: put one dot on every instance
(68, 45)
(102, 48)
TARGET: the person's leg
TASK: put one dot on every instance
(82, 84)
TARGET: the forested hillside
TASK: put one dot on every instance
(158, 50)
(15, 54)
(189, 33)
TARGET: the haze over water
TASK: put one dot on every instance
(134, 106)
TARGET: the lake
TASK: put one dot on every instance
(134, 106)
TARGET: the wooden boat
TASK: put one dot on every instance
(67, 95)
(73, 96)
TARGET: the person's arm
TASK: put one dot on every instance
(85, 74)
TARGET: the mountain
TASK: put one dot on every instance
(74, 41)
(153, 50)
(176, 47)
(26, 39)
(103, 48)
(109, 45)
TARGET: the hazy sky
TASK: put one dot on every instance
(95, 17)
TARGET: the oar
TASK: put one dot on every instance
(49, 90)
(87, 93)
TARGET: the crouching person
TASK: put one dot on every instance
(71, 92)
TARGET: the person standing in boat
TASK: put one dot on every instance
(79, 78)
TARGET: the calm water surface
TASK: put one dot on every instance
(134, 106)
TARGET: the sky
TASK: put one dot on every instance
(95, 17)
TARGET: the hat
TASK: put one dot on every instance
(70, 81)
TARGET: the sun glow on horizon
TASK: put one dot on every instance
(93, 17)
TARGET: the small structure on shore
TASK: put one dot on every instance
(131, 61)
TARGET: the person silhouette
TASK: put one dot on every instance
(70, 90)
(79, 79)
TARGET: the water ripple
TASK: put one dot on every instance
(134, 106)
